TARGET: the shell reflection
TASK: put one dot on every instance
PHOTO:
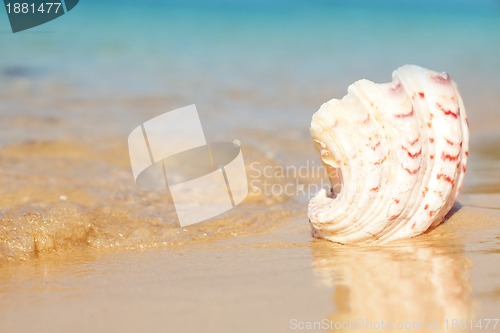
(409, 285)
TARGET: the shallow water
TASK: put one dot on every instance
(82, 248)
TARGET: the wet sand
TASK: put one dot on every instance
(101, 255)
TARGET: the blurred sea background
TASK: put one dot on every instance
(263, 65)
(72, 90)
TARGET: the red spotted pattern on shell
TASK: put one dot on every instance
(422, 134)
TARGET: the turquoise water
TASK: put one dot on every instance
(252, 62)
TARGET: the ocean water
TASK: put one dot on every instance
(73, 89)
(248, 62)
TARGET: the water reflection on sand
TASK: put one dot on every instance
(413, 286)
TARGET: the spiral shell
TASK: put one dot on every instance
(397, 151)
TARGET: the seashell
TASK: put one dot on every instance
(396, 154)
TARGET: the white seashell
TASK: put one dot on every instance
(400, 150)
